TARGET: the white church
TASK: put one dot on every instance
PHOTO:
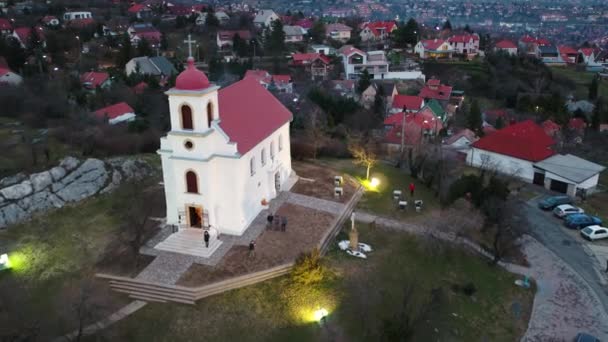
(227, 154)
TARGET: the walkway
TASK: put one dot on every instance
(564, 304)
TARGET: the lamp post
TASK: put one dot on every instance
(403, 130)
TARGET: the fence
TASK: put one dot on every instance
(155, 292)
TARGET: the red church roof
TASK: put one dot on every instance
(249, 113)
(191, 78)
(524, 140)
(506, 44)
(114, 111)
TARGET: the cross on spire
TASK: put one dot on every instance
(189, 41)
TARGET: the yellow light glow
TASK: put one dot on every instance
(4, 262)
(375, 182)
(320, 314)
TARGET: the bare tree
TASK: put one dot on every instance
(364, 154)
(316, 132)
(79, 307)
(501, 220)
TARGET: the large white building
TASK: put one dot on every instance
(376, 64)
(227, 154)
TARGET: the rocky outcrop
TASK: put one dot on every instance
(73, 180)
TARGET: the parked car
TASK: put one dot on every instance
(578, 221)
(553, 201)
(582, 337)
(563, 210)
(594, 232)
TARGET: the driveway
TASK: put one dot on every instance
(569, 246)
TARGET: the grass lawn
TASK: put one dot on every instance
(361, 296)
(380, 200)
(54, 254)
(582, 80)
(597, 204)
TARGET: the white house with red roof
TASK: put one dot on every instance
(8, 77)
(435, 90)
(434, 48)
(568, 54)
(92, 79)
(282, 83)
(589, 54)
(338, 31)
(226, 156)
(375, 62)
(466, 44)
(506, 46)
(140, 11)
(377, 30)
(50, 20)
(116, 113)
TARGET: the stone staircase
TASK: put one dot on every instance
(189, 241)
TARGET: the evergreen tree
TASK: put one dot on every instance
(126, 52)
(593, 88)
(14, 54)
(406, 34)
(447, 25)
(317, 32)
(276, 39)
(164, 42)
(365, 79)
(598, 115)
(240, 46)
(467, 29)
(144, 48)
(474, 121)
(212, 21)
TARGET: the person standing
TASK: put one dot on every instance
(412, 188)
(252, 248)
(206, 237)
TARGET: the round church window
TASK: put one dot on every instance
(188, 145)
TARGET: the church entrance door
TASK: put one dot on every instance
(195, 216)
(277, 182)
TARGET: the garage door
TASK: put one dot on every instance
(559, 186)
(539, 178)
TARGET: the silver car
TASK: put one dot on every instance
(564, 210)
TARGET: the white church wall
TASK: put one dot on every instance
(198, 104)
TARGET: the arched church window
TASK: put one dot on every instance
(272, 150)
(263, 156)
(252, 166)
(186, 113)
(280, 143)
(191, 182)
(209, 114)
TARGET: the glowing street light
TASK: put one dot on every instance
(374, 182)
(4, 262)
(320, 314)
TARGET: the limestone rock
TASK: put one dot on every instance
(116, 179)
(40, 201)
(57, 172)
(17, 191)
(85, 181)
(69, 163)
(12, 180)
(41, 180)
(10, 214)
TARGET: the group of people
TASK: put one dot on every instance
(276, 222)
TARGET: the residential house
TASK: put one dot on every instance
(577, 125)
(280, 83)
(551, 128)
(550, 55)
(344, 88)
(225, 38)
(568, 54)
(6, 27)
(417, 126)
(93, 80)
(317, 65)
(406, 103)
(78, 15)
(338, 31)
(50, 20)
(155, 66)
(25, 35)
(323, 49)
(8, 77)
(293, 34)
(264, 18)
(506, 46)
(568, 174)
(530, 45)
(588, 54)
(116, 113)
(388, 89)
(582, 106)
(433, 48)
(437, 109)
(376, 64)
(377, 30)
(140, 11)
(138, 32)
(435, 90)
(461, 142)
(465, 44)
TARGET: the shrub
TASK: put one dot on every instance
(308, 268)
(469, 289)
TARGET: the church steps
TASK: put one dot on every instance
(168, 292)
(163, 298)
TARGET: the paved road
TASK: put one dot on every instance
(551, 233)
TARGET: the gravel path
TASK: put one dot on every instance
(564, 305)
(315, 203)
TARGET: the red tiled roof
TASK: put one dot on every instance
(113, 111)
(140, 87)
(442, 92)
(281, 79)
(94, 79)
(303, 58)
(567, 50)
(463, 38)
(152, 36)
(506, 44)
(337, 27)
(411, 103)
(136, 8)
(348, 50)
(4, 71)
(467, 133)
(415, 125)
(523, 140)
(550, 127)
(24, 33)
(5, 24)
(531, 40)
(376, 26)
(433, 82)
(304, 23)
(229, 34)
(587, 51)
(543, 42)
(577, 124)
(432, 44)
(249, 113)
